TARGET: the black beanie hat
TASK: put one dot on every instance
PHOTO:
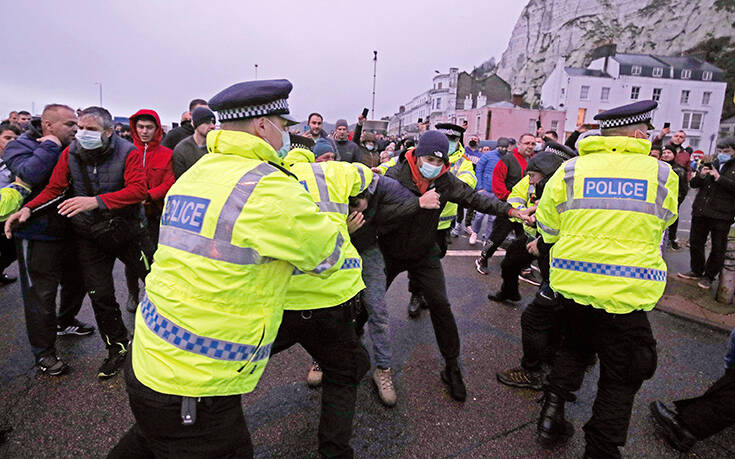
(201, 115)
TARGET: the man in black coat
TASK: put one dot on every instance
(411, 246)
(186, 129)
(713, 212)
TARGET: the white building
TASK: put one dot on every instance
(689, 91)
(439, 101)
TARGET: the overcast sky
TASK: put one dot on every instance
(161, 54)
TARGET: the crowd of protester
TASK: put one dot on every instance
(93, 192)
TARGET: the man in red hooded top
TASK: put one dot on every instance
(145, 126)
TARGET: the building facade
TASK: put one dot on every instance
(503, 119)
(689, 91)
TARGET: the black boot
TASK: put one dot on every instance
(552, 428)
(414, 305)
(452, 377)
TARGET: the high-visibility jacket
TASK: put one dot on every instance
(387, 165)
(11, 199)
(232, 231)
(521, 197)
(463, 169)
(330, 185)
(605, 212)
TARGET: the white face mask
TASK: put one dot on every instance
(89, 140)
(285, 140)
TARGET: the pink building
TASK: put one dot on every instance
(503, 119)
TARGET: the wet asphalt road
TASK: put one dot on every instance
(77, 415)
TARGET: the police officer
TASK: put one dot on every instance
(320, 314)
(605, 212)
(233, 229)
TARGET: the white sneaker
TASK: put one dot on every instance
(384, 383)
(314, 378)
(473, 238)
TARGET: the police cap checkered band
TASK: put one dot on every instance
(276, 107)
(627, 120)
(450, 132)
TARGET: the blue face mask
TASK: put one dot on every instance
(452, 146)
(429, 171)
(285, 139)
(723, 158)
(89, 140)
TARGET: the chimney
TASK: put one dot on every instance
(516, 99)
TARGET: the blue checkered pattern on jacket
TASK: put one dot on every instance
(189, 341)
(632, 272)
(349, 263)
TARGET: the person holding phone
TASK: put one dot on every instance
(713, 212)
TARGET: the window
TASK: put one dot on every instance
(635, 91)
(605, 94)
(439, 86)
(657, 71)
(532, 125)
(635, 70)
(584, 93)
(656, 94)
(554, 125)
(581, 114)
(693, 142)
(692, 120)
(686, 74)
(439, 103)
(707, 76)
(563, 91)
(706, 97)
(684, 96)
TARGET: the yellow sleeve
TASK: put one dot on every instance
(11, 199)
(519, 194)
(363, 176)
(548, 221)
(466, 173)
(383, 168)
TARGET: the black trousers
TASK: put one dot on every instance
(501, 229)
(329, 336)
(718, 229)
(43, 266)
(97, 263)
(626, 348)
(711, 412)
(515, 260)
(428, 274)
(674, 227)
(7, 253)
(442, 241)
(219, 431)
(148, 244)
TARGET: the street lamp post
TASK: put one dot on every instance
(375, 68)
(100, 85)
(256, 71)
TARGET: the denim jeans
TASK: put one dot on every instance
(373, 274)
(477, 224)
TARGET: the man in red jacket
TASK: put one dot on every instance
(510, 170)
(145, 126)
(104, 175)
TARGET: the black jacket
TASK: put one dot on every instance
(388, 204)
(177, 134)
(683, 182)
(715, 199)
(414, 236)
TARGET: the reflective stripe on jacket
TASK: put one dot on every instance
(463, 169)
(605, 212)
(330, 185)
(521, 197)
(233, 228)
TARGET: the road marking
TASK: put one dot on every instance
(472, 253)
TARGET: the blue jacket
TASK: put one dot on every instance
(484, 170)
(33, 162)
